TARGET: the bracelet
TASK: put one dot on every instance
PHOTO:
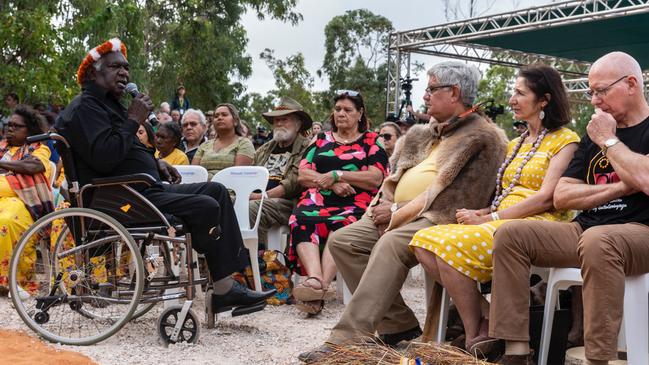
(495, 216)
(335, 175)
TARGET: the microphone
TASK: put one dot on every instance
(131, 88)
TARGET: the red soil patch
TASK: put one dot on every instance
(20, 349)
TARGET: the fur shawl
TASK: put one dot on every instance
(469, 152)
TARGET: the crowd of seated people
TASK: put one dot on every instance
(455, 197)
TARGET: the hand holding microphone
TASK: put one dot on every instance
(141, 107)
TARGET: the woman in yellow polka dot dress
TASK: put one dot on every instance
(458, 255)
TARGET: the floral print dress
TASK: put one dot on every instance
(319, 212)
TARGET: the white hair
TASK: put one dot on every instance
(465, 76)
(198, 112)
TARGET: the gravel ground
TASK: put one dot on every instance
(275, 335)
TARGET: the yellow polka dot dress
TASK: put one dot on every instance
(468, 248)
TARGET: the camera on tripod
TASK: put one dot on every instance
(406, 86)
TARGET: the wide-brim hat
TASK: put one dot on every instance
(288, 106)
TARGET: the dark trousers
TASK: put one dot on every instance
(201, 207)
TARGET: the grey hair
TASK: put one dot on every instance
(198, 112)
(465, 76)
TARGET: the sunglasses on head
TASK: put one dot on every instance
(351, 93)
(386, 136)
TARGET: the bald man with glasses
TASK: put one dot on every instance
(608, 181)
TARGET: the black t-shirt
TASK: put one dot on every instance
(276, 164)
(102, 138)
(591, 166)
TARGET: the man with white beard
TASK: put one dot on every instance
(281, 156)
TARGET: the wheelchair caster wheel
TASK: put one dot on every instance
(41, 317)
(188, 332)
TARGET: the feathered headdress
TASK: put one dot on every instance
(113, 45)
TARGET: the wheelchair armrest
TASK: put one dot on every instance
(125, 179)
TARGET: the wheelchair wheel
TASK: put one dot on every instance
(189, 332)
(124, 281)
(85, 289)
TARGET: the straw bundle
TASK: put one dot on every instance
(368, 352)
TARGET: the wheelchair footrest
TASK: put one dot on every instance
(239, 311)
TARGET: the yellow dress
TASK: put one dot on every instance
(176, 157)
(468, 248)
(14, 220)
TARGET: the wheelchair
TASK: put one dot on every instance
(108, 258)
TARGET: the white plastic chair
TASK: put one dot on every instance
(52, 176)
(278, 239)
(244, 180)
(192, 173)
(634, 332)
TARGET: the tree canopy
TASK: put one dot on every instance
(197, 43)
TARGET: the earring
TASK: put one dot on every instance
(541, 114)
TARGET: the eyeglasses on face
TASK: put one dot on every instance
(351, 93)
(13, 125)
(602, 91)
(431, 89)
(189, 124)
(386, 136)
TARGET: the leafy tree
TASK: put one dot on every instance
(199, 43)
(356, 53)
(496, 84)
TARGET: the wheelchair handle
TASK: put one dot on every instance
(46, 137)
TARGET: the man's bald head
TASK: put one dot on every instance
(618, 64)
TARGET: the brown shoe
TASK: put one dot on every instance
(316, 354)
(516, 360)
(486, 348)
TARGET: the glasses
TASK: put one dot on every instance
(190, 124)
(386, 136)
(431, 89)
(602, 92)
(351, 93)
(13, 125)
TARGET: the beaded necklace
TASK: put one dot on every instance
(500, 193)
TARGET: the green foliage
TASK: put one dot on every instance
(198, 43)
(497, 83)
(356, 53)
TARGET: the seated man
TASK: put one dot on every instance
(194, 128)
(102, 134)
(281, 156)
(608, 180)
(437, 168)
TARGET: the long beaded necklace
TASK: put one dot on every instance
(500, 193)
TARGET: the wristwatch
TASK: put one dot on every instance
(394, 207)
(340, 174)
(608, 144)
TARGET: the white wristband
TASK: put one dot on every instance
(495, 216)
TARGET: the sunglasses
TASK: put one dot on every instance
(386, 136)
(189, 124)
(351, 93)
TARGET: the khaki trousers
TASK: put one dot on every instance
(374, 269)
(275, 212)
(605, 254)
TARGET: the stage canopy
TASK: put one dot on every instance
(568, 36)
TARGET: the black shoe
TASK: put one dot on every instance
(239, 296)
(393, 339)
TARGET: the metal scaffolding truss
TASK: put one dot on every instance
(454, 40)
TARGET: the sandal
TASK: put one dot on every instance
(307, 294)
(312, 307)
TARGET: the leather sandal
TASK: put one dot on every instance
(307, 294)
(312, 307)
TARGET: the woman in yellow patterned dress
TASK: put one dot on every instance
(25, 193)
(459, 255)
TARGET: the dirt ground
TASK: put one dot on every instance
(275, 335)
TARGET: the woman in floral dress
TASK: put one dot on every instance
(341, 171)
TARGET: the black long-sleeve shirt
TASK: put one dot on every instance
(102, 138)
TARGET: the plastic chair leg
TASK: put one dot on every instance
(443, 317)
(548, 319)
(343, 289)
(636, 319)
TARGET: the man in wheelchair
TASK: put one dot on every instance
(102, 136)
